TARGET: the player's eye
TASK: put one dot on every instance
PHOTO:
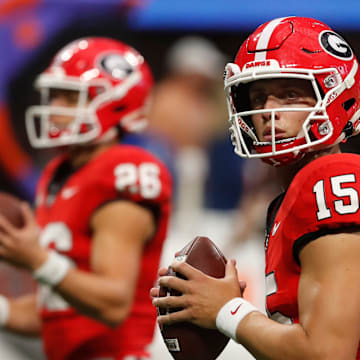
(292, 95)
(257, 100)
(70, 96)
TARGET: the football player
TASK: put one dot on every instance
(102, 209)
(293, 96)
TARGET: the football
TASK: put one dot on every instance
(10, 209)
(186, 341)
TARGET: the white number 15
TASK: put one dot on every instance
(340, 207)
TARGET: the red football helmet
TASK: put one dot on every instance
(113, 82)
(301, 48)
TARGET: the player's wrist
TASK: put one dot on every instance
(53, 270)
(231, 314)
(38, 257)
(4, 311)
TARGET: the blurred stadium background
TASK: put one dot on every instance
(217, 194)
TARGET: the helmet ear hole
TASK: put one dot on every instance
(240, 97)
(119, 108)
(348, 129)
(322, 93)
(348, 104)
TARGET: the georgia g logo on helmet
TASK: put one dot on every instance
(116, 66)
(335, 45)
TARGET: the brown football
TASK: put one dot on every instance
(10, 209)
(186, 341)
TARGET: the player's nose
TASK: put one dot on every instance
(272, 102)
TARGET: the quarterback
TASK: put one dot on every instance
(102, 210)
(293, 96)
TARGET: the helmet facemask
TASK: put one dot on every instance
(81, 126)
(316, 130)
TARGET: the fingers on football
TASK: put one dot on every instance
(230, 270)
(3, 252)
(6, 226)
(188, 271)
(171, 318)
(154, 292)
(175, 283)
(27, 212)
(6, 244)
(162, 271)
(169, 302)
(242, 284)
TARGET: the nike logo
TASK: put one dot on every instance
(275, 228)
(233, 312)
(68, 193)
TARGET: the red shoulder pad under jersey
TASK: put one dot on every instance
(323, 198)
(131, 173)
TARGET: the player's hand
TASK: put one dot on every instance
(20, 246)
(202, 296)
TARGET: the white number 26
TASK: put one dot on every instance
(143, 179)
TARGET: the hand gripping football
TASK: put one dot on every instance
(10, 209)
(186, 341)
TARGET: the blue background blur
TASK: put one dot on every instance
(235, 15)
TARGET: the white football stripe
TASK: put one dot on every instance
(265, 38)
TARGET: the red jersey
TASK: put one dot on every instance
(121, 172)
(323, 198)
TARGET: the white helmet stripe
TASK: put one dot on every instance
(265, 38)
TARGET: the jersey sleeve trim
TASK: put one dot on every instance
(302, 241)
(153, 208)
